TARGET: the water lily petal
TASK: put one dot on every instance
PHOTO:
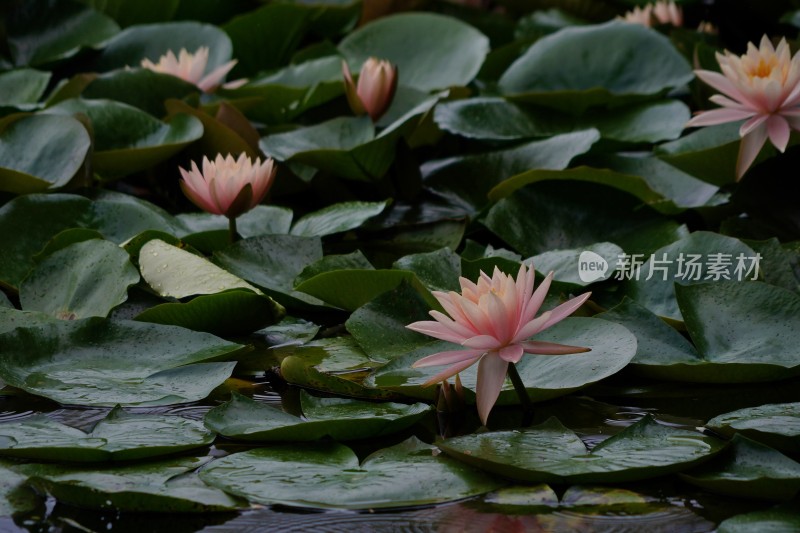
(749, 149)
(491, 375)
(449, 372)
(551, 348)
(447, 358)
(564, 310)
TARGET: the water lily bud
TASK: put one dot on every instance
(375, 89)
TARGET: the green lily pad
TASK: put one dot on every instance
(326, 475)
(272, 262)
(28, 222)
(120, 436)
(44, 31)
(337, 218)
(11, 319)
(282, 95)
(749, 330)
(777, 520)
(497, 119)
(151, 41)
(102, 362)
(545, 377)
(144, 142)
(566, 264)
(777, 425)
(176, 273)
(336, 365)
(709, 153)
(139, 87)
(438, 270)
(160, 487)
(470, 178)
(344, 146)
(340, 419)
(289, 331)
(352, 261)
(85, 279)
(24, 86)
(748, 470)
(701, 257)
(430, 51)
(40, 152)
(261, 220)
(548, 216)
(15, 496)
(572, 69)
(552, 453)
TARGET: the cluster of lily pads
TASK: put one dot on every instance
(517, 133)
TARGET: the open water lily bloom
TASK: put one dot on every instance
(661, 12)
(191, 67)
(761, 87)
(494, 320)
(228, 186)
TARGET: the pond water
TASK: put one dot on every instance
(664, 504)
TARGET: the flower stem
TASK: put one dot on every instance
(522, 393)
(232, 235)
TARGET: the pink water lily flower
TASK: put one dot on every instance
(191, 67)
(761, 87)
(228, 186)
(493, 320)
(375, 90)
(661, 12)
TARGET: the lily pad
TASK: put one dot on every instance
(40, 152)
(272, 262)
(337, 218)
(430, 51)
(160, 487)
(328, 475)
(120, 436)
(566, 264)
(139, 87)
(85, 279)
(340, 419)
(28, 222)
(22, 86)
(611, 348)
(777, 425)
(46, 31)
(778, 520)
(552, 453)
(15, 496)
(584, 66)
(709, 153)
(102, 362)
(344, 146)
(144, 142)
(350, 289)
(748, 469)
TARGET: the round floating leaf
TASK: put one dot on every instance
(344, 146)
(143, 142)
(350, 289)
(164, 486)
(330, 263)
(46, 31)
(261, 220)
(777, 425)
(709, 153)
(611, 348)
(437, 270)
(470, 178)
(232, 312)
(777, 520)
(749, 329)
(748, 470)
(340, 419)
(567, 264)
(22, 86)
(151, 41)
(11, 319)
(552, 453)
(700, 257)
(337, 218)
(549, 216)
(176, 273)
(85, 279)
(102, 362)
(272, 262)
(497, 119)
(15, 496)
(329, 475)
(583, 66)
(140, 88)
(39, 152)
(120, 436)
(430, 51)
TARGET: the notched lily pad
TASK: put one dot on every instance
(551, 453)
(340, 419)
(120, 436)
(777, 425)
(329, 475)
